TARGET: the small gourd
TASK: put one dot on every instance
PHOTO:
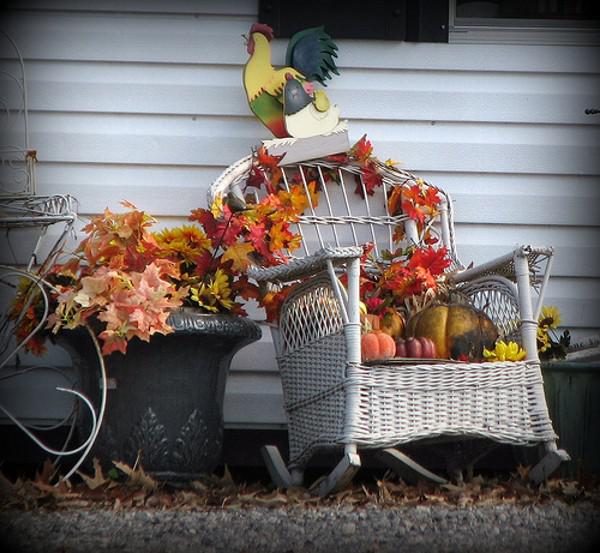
(377, 345)
(392, 323)
(423, 348)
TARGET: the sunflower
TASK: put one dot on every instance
(549, 317)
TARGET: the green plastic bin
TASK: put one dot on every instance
(573, 397)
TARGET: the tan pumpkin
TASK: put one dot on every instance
(377, 345)
(458, 331)
(392, 324)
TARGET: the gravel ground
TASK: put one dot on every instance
(553, 527)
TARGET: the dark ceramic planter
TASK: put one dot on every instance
(165, 397)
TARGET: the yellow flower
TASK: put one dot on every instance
(505, 352)
(214, 293)
(549, 317)
(543, 339)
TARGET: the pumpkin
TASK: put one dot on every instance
(416, 347)
(377, 345)
(458, 331)
(392, 324)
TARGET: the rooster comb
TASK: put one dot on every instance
(263, 29)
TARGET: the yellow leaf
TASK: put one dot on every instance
(238, 253)
(217, 207)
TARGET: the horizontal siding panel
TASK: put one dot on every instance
(530, 210)
(466, 106)
(56, 174)
(506, 210)
(366, 81)
(572, 261)
(514, 184)
(203, 7)
(153, 148)
(253, 400)
(392, 105)
(492, 134)
(128, 38)
(183, 39)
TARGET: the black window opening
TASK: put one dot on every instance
(399, 20)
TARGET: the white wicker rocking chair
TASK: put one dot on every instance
(333, 401)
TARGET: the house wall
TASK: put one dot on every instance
(142, 100)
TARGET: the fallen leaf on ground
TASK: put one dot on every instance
(97, 480)
(137, 476)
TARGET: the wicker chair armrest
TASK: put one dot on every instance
(505, 265)
(305, 266)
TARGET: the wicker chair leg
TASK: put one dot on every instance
(549, 463)
(297, 477)
(405, 467)
(339, 477)
(276, 467)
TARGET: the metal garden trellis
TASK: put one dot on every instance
(25, 213)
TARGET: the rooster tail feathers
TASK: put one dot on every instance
(312, 53)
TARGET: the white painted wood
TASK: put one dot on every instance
(197, 7)
(142, 100)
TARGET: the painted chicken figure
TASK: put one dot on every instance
(285, 99)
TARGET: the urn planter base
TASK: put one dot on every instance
(165, 397)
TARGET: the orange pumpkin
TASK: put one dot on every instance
(392, 324)
(377, 345)
(458, 331)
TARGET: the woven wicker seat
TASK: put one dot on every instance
(333, 401)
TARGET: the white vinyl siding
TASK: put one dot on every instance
(142, 100)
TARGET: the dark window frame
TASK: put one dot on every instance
(395, 20)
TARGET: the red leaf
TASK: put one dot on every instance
(337, 158)
(267, 160)
(221, 232)
(362, 150)
(371, 178)
(204, 263)
(257, 178)
(258, 237)
(434, 260)
(205, 218)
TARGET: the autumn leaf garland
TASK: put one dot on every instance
(407, 272)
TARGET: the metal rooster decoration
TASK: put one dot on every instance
(285, 100)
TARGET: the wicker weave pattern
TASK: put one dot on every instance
(311, 312)
(493, 400)
(497, 297)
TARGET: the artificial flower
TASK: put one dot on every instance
(503, 351)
